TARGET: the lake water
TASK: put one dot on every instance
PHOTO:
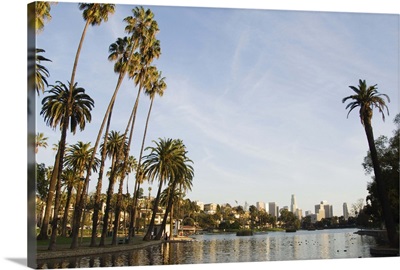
(227, 248)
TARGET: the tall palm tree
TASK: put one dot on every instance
(39, 13)
(124, 168)
(182, 181)
(41, 72)
(115, 139)
(93, 14)
(367, 98)
(142, 76)
(41, 141)
(59, 110)
(70, 180)
(165, 160)
(136, 24)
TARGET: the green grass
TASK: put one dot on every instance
(62, 241)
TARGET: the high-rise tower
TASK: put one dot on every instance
(345, 211)
(293, 205)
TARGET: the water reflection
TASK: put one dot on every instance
(274, 246)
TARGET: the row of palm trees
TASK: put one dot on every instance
(133, 56)
(68, 107)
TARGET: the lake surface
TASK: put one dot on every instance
(227, 248)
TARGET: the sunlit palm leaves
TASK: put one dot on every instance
(56, 107)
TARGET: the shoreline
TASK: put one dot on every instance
(63, 251)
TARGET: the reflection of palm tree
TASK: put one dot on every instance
(41, 141)
(366, 98)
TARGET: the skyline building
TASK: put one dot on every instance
(273, 209)
(323, 210)
(293, 205)
(319, 211)
(345, 211)
(260, 205)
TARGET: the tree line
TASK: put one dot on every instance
(68, 107)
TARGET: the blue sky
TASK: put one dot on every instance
(254, 94)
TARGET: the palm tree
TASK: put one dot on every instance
(366, 98)
(182, 180)
(41, 72)
(59, 110)
(93, 14)
(136, 26)
(41, 141)
(124, 168)
(39, 13)
(142, 76)
(165, 160)
(70, 180)
(115, 139)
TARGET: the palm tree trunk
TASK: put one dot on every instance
(78, 207)
(78, 52)
(382, 190)
(167, 211)
(66, 212)
(153, 217)
(97, 204)
(117, 211)
(57, 202)
(110, 192)
(49, 201)
(140, 157)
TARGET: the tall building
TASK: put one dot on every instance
(328, 210)
(320, 211)
(200, 205)
(293, 205)
(345, 211)
(273, 209)
(260, 205)
(323, 210)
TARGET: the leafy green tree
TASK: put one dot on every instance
(388, 155)
(367, 98)
(289, 219)
(42, 183)
(253, 216)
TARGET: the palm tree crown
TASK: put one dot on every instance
(366, 98)
(55, 107)
(96, 13)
